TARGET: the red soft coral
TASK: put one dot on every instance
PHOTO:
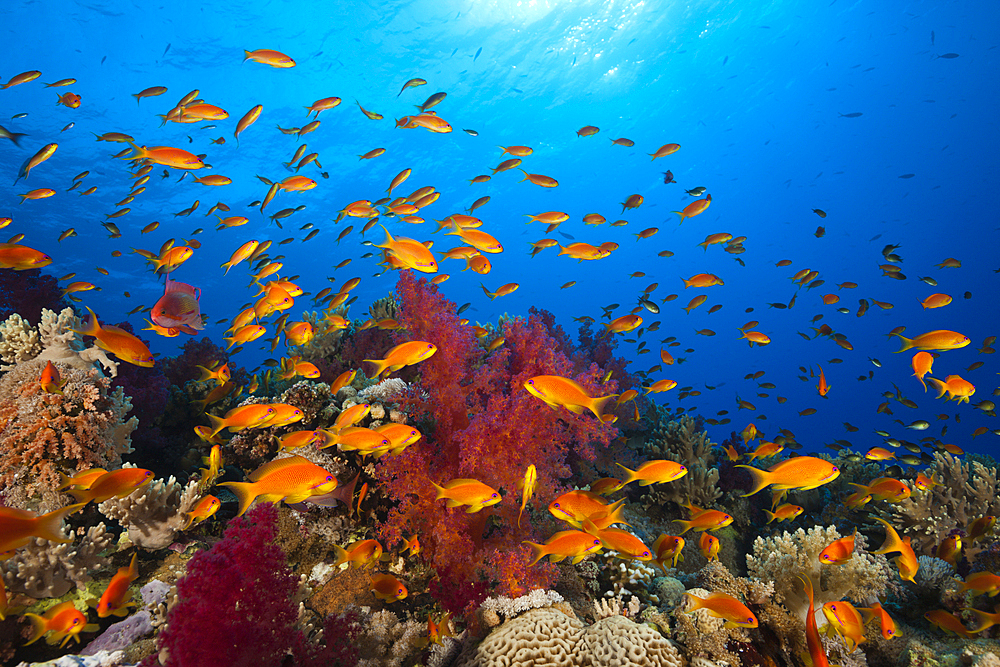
(480, 422)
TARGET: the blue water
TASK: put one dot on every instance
(752, 91)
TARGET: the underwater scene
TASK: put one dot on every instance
(497, 333)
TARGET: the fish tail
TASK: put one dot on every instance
(694, 603)
(682, 217)
(49, 526)
(218, 423)
(246, 56)
(892, 542)
(760, 479)
(538, 552)
(598, 404)
(244, 492)
(378, 367)
(686, 524)
(630, 474)
(342, 555)
(907, 343)
(939, 385)
(772, 516)
(139, 153)
(38, 627)
(523, 172)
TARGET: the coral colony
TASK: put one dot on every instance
(446, 513)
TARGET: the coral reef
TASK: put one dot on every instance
(155, 513)
(50, 569)
(487, 427)
(684, 440)
(53, 341)
(43, 434)
(782, 558)
(967, 491)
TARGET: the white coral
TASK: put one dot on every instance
(155, 513)
(386, 391)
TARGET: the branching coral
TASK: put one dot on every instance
(42, 434)
(782, 558)
(683, 441)
(53, 341)
(44, 569)
(480, 422)
(155, 513)
(967, 491)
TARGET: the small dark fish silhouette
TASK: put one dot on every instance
(668, 177)
(907, 175)
(571, 238)
(856, 114)
(932, 38)
(477, 54)
(949, 56)
(471, 133)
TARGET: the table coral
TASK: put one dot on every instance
(46, 434)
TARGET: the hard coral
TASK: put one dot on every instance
(45, 434)
(480, 422)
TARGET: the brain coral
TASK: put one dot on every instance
(549, 637)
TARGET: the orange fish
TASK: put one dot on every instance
(61, 622)
(558, 391)
(906, 561)
(115, 484)
(573, 544)
(410, 253)
(527, 485)
(940, 339)
(785, 512)
(167, 156)
(623, 324)
(269, 57)
(694, 208)
(291, 479)
(116, 598)
(625, 545)
(71, 100)
(885, 621)
(709, 546)
(846, 621)
(702, 280)
(362, 554)
(703, 520)
(178, 308)
(50, 381)
(117, 341)
(957, 388)
(539, 179)
(839, 551)
(724, 606)
(574, 507)
(404, 354)
(654, 472)
(23, 77)
(668, 548)
(817, 653)
(921, 364)
(822, 387)
(885, 488)
(801, 472)
(467, 492)
(387, 588)
(951, 624)
(204, 509)
(18, 527)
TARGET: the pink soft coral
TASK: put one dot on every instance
(482, 423)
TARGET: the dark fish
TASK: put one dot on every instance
(907, 175)
(432, 101)
(13, 136)
(668, 177)
(967, 295)
(517, 90)
(725, 60)
(19, 115)
(564, 234)
(477, 54)
(103, 59)
(461, 309)
(850, 115)
(949, 56)
(324, 174)
(166, 49)
(471, 133)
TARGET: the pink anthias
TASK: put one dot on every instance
(178, 308)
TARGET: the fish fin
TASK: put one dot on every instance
(761, 478)
(244, 492)
(49, 526)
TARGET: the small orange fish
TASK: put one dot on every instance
(116, 599)
(70, 100)
(668, 548)
(885, 621)
(709, 546)
(817, 653)
(940, 339)
(61, 622)
(839, 551)
(388, 588)
(50, 381)
(363, 554)
(785, 512)
(469, 493)
(269, 57)
(573, 544)
(204, 509)
(704, 520)
(801, 472)
(654, 472)
(724, 606)
(404, 354)
(906, 561)
(115, 484)
(527, 486)
(922, 363)
(694, 208)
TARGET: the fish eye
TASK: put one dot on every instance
(750, 620)
(645, 553)
(494, 495)
(556, 505)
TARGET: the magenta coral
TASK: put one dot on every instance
(482, 423)
(235, 603)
